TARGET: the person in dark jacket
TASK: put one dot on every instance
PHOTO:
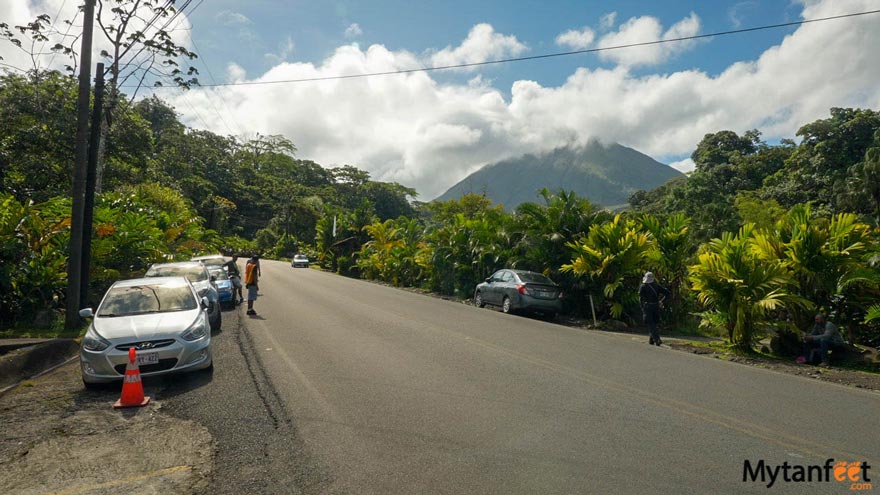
(651, 295)
(824, 337)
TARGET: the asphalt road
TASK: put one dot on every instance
(344, 386)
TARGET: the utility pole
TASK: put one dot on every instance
(89, 207)
(74, 262)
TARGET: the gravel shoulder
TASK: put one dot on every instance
(59, 438)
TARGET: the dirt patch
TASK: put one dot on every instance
(59, 438)
(844, 376)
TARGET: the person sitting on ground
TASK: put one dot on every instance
(824, 337)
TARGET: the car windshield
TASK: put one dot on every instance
(300, 257)
(193, 273)
(143, 299)
(534, 278)
(218, 272)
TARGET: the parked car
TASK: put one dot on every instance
(163, 318)
(300, 260)
(224, 286)
(211, 260)
(520, 290)
(197, 273)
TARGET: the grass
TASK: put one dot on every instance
(55, 330)
(727, 350)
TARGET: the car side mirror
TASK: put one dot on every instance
(489, 280)
(213, 278)
(205, 302)
(86, 313)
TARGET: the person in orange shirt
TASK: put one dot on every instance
(251, 278)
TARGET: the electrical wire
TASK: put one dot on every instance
(538, 57)
(222, 100)
(52, 26)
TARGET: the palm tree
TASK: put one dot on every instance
(614, 254)
(375, 257)
(673, 248)
(827, 258)
(738, 287)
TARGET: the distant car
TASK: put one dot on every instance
(520, 290)
(163, 318)
(211, 260)
(300, 260)
(198, 275)
(224, 286)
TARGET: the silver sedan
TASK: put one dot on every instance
(197, 273)
(161, 317)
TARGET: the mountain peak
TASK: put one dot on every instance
(604, 174)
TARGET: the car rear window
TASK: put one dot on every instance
(213, 261)
(535, 278)
(193, 273)
(142, 299)
(218, 272)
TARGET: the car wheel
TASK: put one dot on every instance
(478, 300)
(94, 386)
(216, 322)
(505, 305)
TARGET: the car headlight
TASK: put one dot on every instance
(94, 342)
(197, 330)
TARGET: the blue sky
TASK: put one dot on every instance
(317, 28)
(430, 130)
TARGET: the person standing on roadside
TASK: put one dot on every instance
(235, 277)
(251, 278)
(651, 295)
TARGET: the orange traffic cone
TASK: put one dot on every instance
(132, 388)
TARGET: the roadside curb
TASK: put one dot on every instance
(28, 362)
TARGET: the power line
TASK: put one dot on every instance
(222, 100)
(51, 27)
(24, 71)
(548, 55)
(64, 37)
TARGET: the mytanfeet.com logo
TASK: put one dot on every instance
(841, 473)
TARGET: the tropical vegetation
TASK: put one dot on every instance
(754, 241)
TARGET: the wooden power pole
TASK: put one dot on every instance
(74, 262)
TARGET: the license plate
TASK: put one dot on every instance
(151, 358)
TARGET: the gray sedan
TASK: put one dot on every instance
(520, 290)
(197, 273)
(161, 317)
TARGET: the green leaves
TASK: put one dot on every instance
(739, 286)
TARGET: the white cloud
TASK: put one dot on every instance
(608, 20)
(647, 29)
(20, 12)
(229, 18)
(285, 49)
(235, 73)
(353, 31)
(414, 130)
(578, 40)
(482, 44)
(684, 166)
(736, 13)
